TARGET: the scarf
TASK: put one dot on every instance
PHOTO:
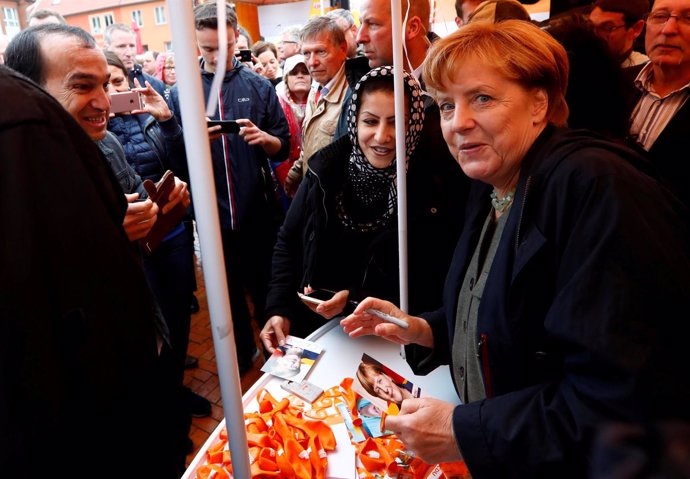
(369, 197)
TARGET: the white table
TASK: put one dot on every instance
(341, 355)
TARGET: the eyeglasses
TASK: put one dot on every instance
(660, 18)
(606, 29)
(168, 68)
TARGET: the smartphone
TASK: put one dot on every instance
(226, 126)
(317, 296)
(125, 101)
(244, 55)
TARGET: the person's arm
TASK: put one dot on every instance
(286, 269)
(253, 135)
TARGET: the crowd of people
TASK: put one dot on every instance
(549, 247)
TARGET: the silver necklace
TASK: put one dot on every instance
(502, 204)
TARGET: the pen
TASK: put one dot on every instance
(387, 317)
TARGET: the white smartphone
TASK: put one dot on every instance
(125, 101)
(303, 389)
(317, 296)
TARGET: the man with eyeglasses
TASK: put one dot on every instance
(619, 23)
(660, 119)
(289, 43)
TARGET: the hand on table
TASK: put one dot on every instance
(425, 427)
(274, 332)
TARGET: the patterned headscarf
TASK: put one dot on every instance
(370, 195)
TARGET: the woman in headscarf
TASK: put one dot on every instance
(340, 232)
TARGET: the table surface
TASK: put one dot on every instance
(340, 357)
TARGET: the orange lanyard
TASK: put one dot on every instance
(287, 442)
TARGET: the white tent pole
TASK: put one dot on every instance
(400, 152)
(201, 173)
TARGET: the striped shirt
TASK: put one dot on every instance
(652, 112)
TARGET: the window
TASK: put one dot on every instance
(11, 21)
(160, 15)
(108, 19)
(168, 46)
(96, 25)
(136, 17)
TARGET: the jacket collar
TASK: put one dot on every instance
(236, 66)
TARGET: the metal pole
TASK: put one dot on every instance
(400, 151)
(206, 208)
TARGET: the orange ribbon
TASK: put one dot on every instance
(287, 442)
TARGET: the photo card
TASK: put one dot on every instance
(293, 360)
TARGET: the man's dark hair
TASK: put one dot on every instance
(24, 55)
(633, 10)
(205, 16)
(45, 13)
(323, 24)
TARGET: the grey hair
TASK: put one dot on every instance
(323, 24)
(344, 14)
(115, 27)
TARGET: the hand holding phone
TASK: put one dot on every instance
(226, 126)
(317, 296)
(125, 101)
(244, 55)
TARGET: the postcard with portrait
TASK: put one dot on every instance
(293, 360)
(382, 386)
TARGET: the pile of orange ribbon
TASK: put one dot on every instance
(281, 444)
(286, 441)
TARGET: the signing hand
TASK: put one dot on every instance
(360, 323)
(424, 426)
(274, 332)
(140, 217)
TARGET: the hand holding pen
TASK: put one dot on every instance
(377, 317)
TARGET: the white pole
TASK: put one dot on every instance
(206, 208)
(400, 151)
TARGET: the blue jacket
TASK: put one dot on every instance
(245, 187)
(576, 325)
(151, 147)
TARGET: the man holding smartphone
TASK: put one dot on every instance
(247, 204)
